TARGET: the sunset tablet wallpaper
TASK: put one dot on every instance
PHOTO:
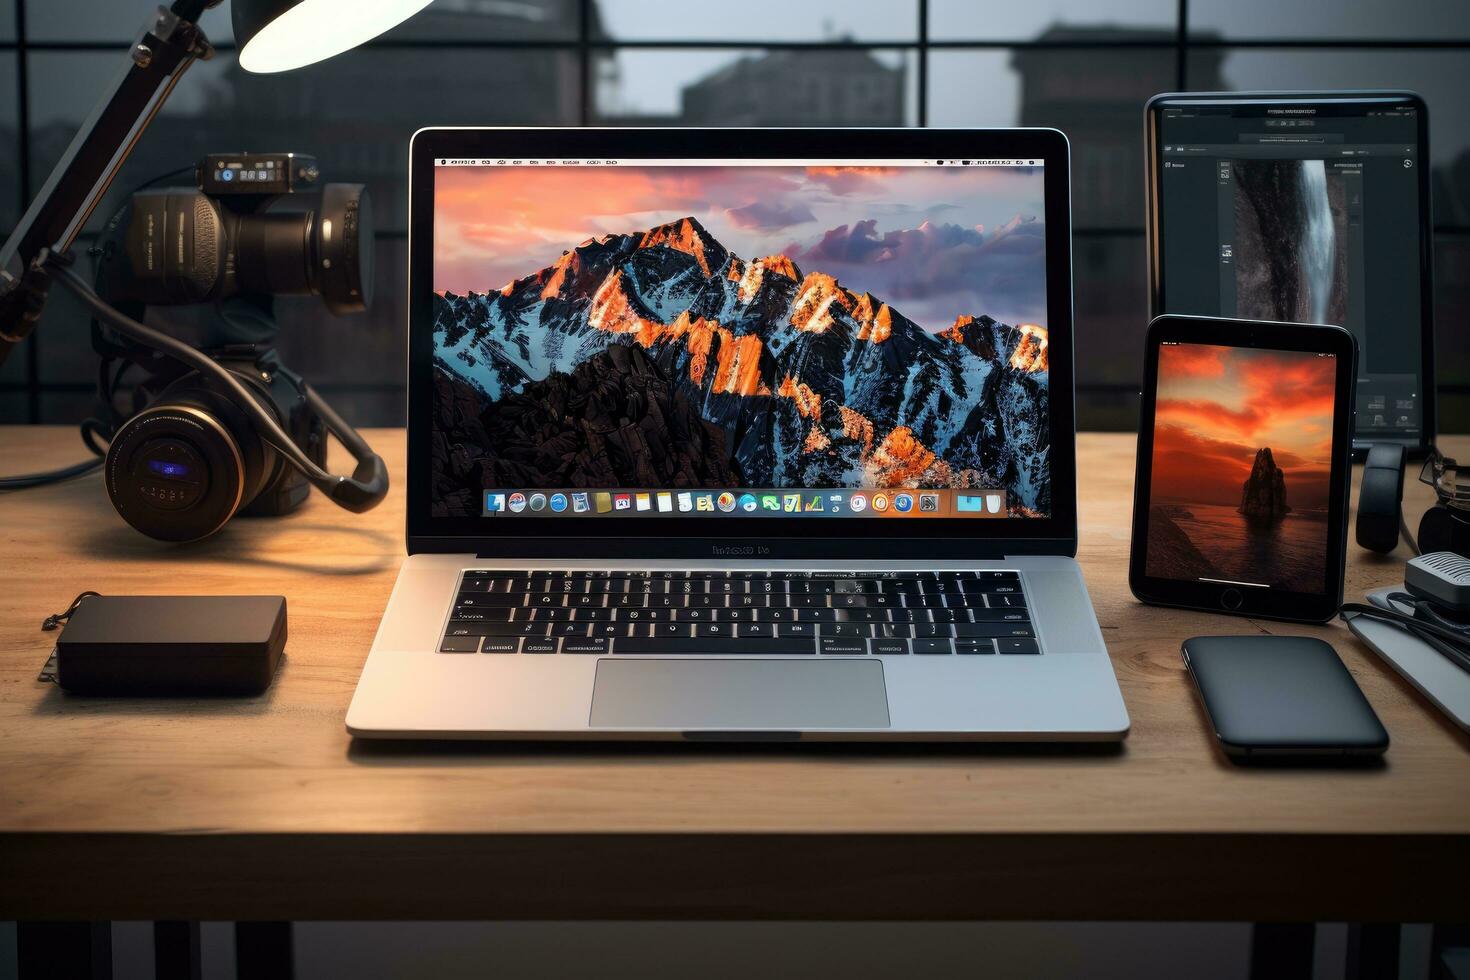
(740, 326)
(1242, 465)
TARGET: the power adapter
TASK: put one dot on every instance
(1441, 577)
(152, 645)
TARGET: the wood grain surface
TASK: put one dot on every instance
(265, 808)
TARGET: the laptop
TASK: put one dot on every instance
(743, 435)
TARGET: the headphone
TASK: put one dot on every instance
(1444, 527)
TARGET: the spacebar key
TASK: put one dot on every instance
(754, 646)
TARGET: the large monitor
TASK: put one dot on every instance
(760, 339)
(1308, 208)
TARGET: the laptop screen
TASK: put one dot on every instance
(735, 338)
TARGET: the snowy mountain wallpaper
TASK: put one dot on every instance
(722, 327)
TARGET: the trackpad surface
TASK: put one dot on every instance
(700, 695)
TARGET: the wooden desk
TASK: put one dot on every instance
(264, 808)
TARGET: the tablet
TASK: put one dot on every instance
(1244, 458)
(1309, 208)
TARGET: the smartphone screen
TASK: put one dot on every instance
(1242, 467)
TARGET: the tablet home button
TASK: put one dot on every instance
(1231, 599)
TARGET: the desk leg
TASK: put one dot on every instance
(176, 951)
(1372, 951)
(263, 951)
(1282, 951)
(64, 950)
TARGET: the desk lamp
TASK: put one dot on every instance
(274, 36)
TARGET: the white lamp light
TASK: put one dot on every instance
(279, 35)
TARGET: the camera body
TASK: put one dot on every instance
(255, 225)
(189, 453)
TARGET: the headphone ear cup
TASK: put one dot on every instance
(1381, 499)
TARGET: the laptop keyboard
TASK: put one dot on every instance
(740, 613)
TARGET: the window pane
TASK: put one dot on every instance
(10, 189)
(1437, 19)
(7, 20)
(966, 20)
(355, 112)
(1451, 339)
(833, 87)
(114, 20)
(1110, 277)
(108, 20)
(355, 358)
(1439, 76)
(1095, 96)
(13, 411)
(758, 20)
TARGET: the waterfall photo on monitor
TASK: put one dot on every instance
(1290, 247)
(740, 326)
(1242, 463)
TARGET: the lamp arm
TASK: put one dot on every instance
(169, 43)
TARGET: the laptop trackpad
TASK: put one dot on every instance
(745, 695)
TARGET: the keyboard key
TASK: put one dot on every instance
(1006, 645)
(537, 645)
(1000, 615)
(712, 647)
(714, 631)
(816, 615)
(755, 629)
(477, 600)
(888, 648)
(579, 645)
(974, 646)
(500, 644)
(932, 646)
(992, 629)
(845, 647)
(805, 631)
(459, 644)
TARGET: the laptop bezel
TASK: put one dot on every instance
(758, 538)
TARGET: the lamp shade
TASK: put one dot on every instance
(279, 35)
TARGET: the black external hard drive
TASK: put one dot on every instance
(1281, 696)
(172, 645)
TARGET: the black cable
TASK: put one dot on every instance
(1408, 535)
(90, 428)
(1453, 644)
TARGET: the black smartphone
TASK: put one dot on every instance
(1240, 497)
(1281, 697)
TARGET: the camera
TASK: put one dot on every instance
(228, 429)
(180, 468)
(256, 224)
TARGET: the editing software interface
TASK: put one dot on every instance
(740, 338)
(1308, 214)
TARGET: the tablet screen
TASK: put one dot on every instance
(1242, 468)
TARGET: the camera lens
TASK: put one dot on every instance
(326, 250)
(344, 248)
(176, 473)
(181, 468)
